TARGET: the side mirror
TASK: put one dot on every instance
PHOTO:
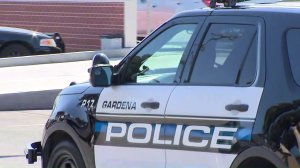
(101, 75)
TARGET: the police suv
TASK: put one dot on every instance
(211, 88)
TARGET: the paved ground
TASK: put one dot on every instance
(17, 128)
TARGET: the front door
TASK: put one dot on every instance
(130, 116)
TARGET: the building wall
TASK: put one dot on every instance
(80, 23)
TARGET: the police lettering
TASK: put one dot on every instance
(182, 135)
(124, 105)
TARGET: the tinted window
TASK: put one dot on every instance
(227, 56)
(158, 61)
(293, 41)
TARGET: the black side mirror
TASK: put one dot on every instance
(101, 75)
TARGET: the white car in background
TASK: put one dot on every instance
(152, 13)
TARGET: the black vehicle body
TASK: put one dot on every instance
(277, 113)
(30, 40)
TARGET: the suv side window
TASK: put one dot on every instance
(293, 40)
(158, 61)
(227, 56)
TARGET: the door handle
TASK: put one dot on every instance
(237, 107)
(152, 105)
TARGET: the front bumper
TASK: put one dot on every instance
(32, 151)
(47, 50)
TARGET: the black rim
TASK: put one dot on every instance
(65, 161)
(15, 53)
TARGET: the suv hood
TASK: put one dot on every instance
(75, 89)
(21, 31)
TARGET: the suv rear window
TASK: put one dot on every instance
(227, 56)
(293, 41)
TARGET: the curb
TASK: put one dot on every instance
(36, 100)
(60, 58)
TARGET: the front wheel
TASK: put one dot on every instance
(15, 50)
(65, 155)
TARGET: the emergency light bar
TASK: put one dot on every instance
(227, 3)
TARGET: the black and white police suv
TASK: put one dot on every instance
(213, 88)
(16, 42)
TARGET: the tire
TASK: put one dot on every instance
(65, 155)
(15, 50)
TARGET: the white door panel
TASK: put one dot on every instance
(211, 133)
(209, 101)
(125, 125)
(190, 159)
(129, 99)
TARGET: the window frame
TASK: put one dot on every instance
(121, 68)
(259, 79)
(289, 55)
(248, 45)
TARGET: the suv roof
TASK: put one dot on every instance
(247, 9)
